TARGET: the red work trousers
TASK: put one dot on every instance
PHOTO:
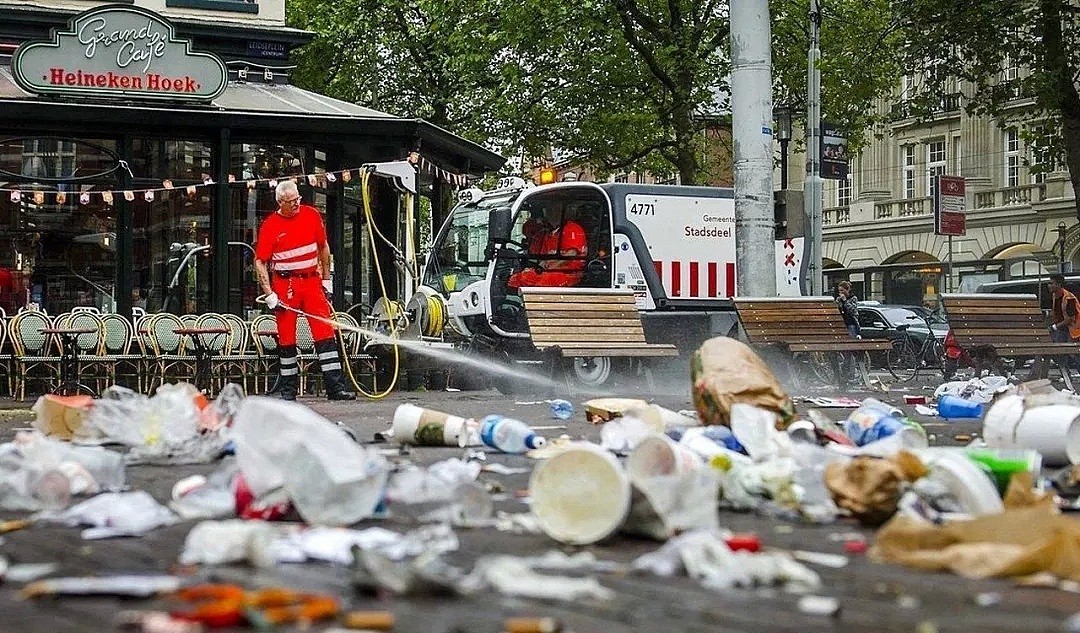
(302, 293)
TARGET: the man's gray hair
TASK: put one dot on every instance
(285, 187)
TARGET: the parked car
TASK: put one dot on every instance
(1030, 286)
(882, 321)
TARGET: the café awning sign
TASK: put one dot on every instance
(117, 51)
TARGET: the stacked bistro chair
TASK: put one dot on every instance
(123, 367)
(219, 346)
(171, 363)
(7, 356)
(90, 345)
(188, 320)
(241, 361)
(36, 356)
(265, 348)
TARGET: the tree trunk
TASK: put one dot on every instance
(1056, 64)
(685, 142)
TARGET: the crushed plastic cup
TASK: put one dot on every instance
(581, 495)
(428, 427)
(658, 455)
(953, 407)
(1003, 463)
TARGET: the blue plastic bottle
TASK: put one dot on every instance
(508, 435)
(561, 409)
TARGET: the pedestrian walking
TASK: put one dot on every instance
(849, 308)
(292, 261)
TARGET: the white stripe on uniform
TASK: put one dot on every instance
(296, 252)
(307, 263)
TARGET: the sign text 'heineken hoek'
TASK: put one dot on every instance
(114, 51)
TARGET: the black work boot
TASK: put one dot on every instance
(288, 372)
(330, 364)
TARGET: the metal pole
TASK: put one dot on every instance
(752, 123)
(948, 278)
(783, 164)
(812, 186)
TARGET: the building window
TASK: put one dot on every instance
(1012, 158)
(907, 87)
(237, 6)
(843, 189)
(1010, 76)
(909, 171)
(670, 178)
(622, 178)
(935, 164)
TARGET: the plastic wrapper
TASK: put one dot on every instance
(163, 429)
(330, 480)
(37, 472)
(724, 371)
(116, 514)
(436, 483)
(235, 541)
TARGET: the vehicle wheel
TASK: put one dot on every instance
(593, 372)
(903, 360)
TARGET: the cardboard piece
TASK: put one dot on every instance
(1020, 542)
(61, 416)
(870, 488)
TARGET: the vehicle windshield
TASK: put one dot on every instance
(457, 256)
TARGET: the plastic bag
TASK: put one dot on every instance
(331, 480)
(162, 429)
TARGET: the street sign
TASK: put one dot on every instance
(834, 158)
(950, 206)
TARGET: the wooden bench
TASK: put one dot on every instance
(804, 325)
(589, 323)
(1011, 326)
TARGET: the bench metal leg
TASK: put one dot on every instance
(864, 371)
(1062, 363)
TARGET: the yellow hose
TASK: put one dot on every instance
(392, 306)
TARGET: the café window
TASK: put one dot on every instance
(59, 228)
(179, 160)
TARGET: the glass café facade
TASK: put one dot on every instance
(70, 237)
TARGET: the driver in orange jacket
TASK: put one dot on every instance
(566, 241)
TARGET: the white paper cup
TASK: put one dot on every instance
(581, 495)
(1053, 430)
(427, 427)
(657, 455)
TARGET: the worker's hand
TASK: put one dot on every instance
(272, 301)
(1053, 327)
(328, 286)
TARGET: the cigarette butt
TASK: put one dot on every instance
(12, 526)
(532, 625)
(371, 620)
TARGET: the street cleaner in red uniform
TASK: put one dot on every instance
(567, 241)
(292, 261)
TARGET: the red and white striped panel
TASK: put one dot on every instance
(694, 280)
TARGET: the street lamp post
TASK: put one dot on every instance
(1061, 230)
(783, 134)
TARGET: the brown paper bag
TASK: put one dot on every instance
(725, 371)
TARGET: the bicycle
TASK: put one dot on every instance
(908, 356)
(815, 369)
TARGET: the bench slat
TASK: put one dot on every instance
(629, 328)
(991, 302)
(845, 346)
(587, 337)
(582, 307)
(615, 321)
(655, 351)
(574, 315)
(1036, 332)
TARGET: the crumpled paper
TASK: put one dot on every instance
(870, 488)
(1022, 541)
(725, 371)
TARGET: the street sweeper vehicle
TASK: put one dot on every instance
(670, 248)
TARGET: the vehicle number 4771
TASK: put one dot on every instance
(643, 208)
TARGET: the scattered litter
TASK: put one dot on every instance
(513, 576)
(115, 514)
(833, 403)
(561, 409)
(532, 625)
(503, 469)
(63, 416)
(724, 371)
(428, 427)
(602, 410)
(835, 561)
(819, 605)
(436, 483)
(1047, 422)
(369, 620)
(987, 599)
(127, 586)
(978, 390)
(287, 445)
(156, 622)
(233, 541)
(925, 409)
(162, 429)
(953, 407)
(29, 572)
(509, 435)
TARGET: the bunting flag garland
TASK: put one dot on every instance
(40, 197)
